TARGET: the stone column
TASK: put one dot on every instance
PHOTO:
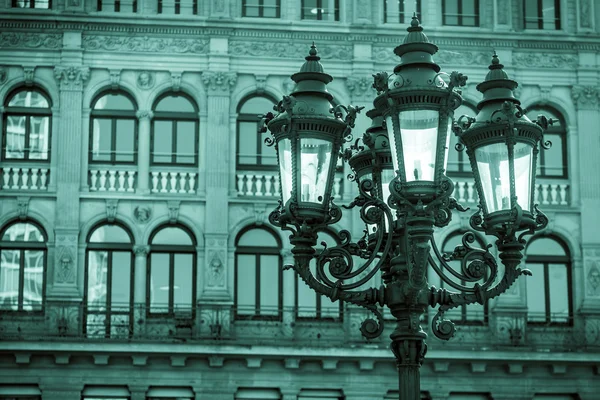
(85, 149)
(143, 161)
(586, 99)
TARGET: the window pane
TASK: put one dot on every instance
(270, 8)
(97, 279)
(268, 154)
(38, 138)
(173, 235)
(121, 280)
(307, 299)
(247, 143)
(33, 280)
(451, 12)
(536, 293)
(186, 146)
(545, 247)
(269, 284)
(251, 8)
(159, 282)
(246, 284)
(110, 233)
(256, 106)
(163, 141)
(23, 232)
(15, 136)
(114, 102)
(257, 237)
(309, 9)
(101, 139)
(549, 14)
(183, 282)
(559, 288)
(531, 14)
(125, 140)
(27, 98)
(175, 104)
(468, 12)
(9, 279)
(553, 157)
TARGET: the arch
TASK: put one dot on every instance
(167, 93)
(264, 227)
(47, 86)
(182, 227)
(198, 94)
(565, 109)
(111, 91)
(248, 91)
(560, 238)
(106, 222)
(189, 224)
(32, 215)
(100, 218)
(247, 223)
(105, 86)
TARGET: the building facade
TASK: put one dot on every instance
(137, 261)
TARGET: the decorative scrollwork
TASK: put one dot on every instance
(442, 328)
(370, 328)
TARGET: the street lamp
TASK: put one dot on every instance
(404, 192)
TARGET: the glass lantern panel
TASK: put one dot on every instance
(523, 166)
(394, 149)
(419, 133)
(492, 163)
(447, 146)
(386, 178)
(315, 161)
(285, 168)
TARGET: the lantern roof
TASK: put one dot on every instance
(416, 47)
(497, 86)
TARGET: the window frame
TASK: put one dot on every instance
(22, 247)
(242, 117)
(114, 116)
(26, 112)
(177, 7)
(257, 251)
(174, 118)
(109, 247)
(460, 14)
(552, 130)
(172, 250)
(540, 16)
(31, 5)
(401, 12)
(545, 260)
(116, 6)
(319, 7)
(261, 9)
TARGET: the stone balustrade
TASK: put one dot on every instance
(24, 178)
(173, 182)
(266, 184)
(112, 180)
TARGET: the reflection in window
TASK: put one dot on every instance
(252, 152)
(401, 11)
(261, 8)
(125, 6)
(549, 297)
(258, 274)
(27, 118)
(174, 131)
(542, 14)
(47, 4)
(327, 10)
(109, 282)
(114, 129)
(552, 163)
(185, 7)
(309, 303)
(460, 12)
(22, 267)
(171, 284)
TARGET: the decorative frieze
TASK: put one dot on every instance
(219, 82)
(585, 97)
(545, 60)
(452, 57)
(71, 77)
(292, 49)
(29, 40)
(144, 44)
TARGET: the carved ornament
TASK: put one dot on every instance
(585, 97)
(142, 214)
(71, 77)
(142, 44)
(545, 60)
(30, 40)
(219, 81)
(145, 80)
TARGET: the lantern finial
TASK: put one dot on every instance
(498, 80)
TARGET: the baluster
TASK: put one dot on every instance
(563, 194)
(554, 193)
(103, 174)
(192, 183)
(44, 178)
(121, 187)
(259, 184)
(93, 179)
(16, 175)
(461, 191)
(112, 179)
(130, 180)
(6, 178)
(163, 182)
(182, 179)
(173, 176)
(544, 188)
(25, 178)
(268, 185)
(249, 185)
(470, 192)
(277, 186)
(34, 178)
(536, 194)
(337, 183)
(240, 183)
(154, 182)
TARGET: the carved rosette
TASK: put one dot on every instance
(585, 97)
(219, 82)
(71, 77)
(361, 88)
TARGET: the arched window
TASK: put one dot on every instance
(23, 260)
(549, 294)
(252, 152)
(171, 283)
(174, 131)
(113, 129)
(458, 161)
(310, 304)
(464, 314)
(27, 126)
(258, 276)
(552, 163)
(108, 295)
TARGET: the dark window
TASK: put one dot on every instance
(23, 259)
(178, 7)
(261, 8)
(47, 4)
(458, 161)
(401, 11)
(552, 163)
(258, 277)
(460, 12)
(27, 126)
(126, 6)
(171, 283)
(549, 295)
(327, 10)
(541, 14)
(108, 296)
(252, 152)
(175, 131)
(310, 304)
(113, 130)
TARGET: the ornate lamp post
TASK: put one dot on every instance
(412, 120)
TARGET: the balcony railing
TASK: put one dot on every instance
(112, 179)
(24, 178)
(218, 324)
(266, 184)
(173, 181)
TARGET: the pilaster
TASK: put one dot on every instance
(143, 179)
(65, 276)
(214, 281)
(502, 14)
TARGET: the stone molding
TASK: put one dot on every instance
(144, 44)
(141, 250)
(585, 97)
(219, 82)
(71, 77)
